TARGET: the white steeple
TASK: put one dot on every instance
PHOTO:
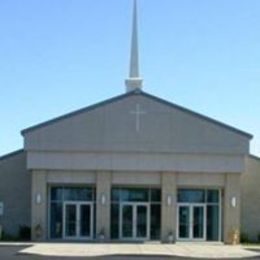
(134, 81)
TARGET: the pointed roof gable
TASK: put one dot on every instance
(144, 94)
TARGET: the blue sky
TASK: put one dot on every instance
(57, 56)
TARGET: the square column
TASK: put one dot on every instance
(231, 206)
(168, 206)
(103, 185)
(39, 206)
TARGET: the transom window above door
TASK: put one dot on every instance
(62, 193)
(198, 196)
(136, 194)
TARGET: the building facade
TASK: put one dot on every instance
(163, 173)
(132, 168)
(111, 172)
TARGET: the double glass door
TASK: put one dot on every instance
(191, 222)
(77, 220)
(134, 221)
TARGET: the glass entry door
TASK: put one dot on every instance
(134, 221)
(191, 222)
(77, 220)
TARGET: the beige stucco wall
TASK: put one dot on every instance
(250, 213)
(39, 208)
(112, 127)
(103, 188)
(115, 161)
(231, 214)
(195, 179)
(168, 210)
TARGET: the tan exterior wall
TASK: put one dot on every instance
(135, 162)
(168, 206)
(71, 177)
(112, 127)
(231, 211)
(194, 179)
(136, 178)
(39, 203)
(103, 186)
(250, 213)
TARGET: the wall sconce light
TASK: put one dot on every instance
(169, 200)
(103, 199)
(233, 202)
(38, 198)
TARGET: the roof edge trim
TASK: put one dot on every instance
(79, 111)
(254, 157)
(138, 92)
(11, 154)
(198, 115)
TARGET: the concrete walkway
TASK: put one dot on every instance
(187, 250)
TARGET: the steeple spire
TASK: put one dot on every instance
(134, 81)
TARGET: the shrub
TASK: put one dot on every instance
(258, 237)
(24, 233)
(244, 238)
(8, 237)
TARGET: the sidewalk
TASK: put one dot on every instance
(187, 250)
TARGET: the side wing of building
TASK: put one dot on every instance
(250, 187)
(15, 193)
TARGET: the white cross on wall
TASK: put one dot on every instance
(138, 113)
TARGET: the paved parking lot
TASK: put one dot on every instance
(40, 251)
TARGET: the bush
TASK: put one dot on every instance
(24, 233)
(8, 237)
(258, 237)
(244, 238)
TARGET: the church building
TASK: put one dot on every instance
(132, 168)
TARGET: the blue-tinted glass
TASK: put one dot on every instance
(155, 195)
(78, 194)
(115, 221)
(94, 220)
(189, 195)
(56, 220)
(213, 196)
(198, 222)
(134, 194)
(184, 221)
(155, 230)
(212, 223)
(115, 194)
(127, 221)
(56, 193)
